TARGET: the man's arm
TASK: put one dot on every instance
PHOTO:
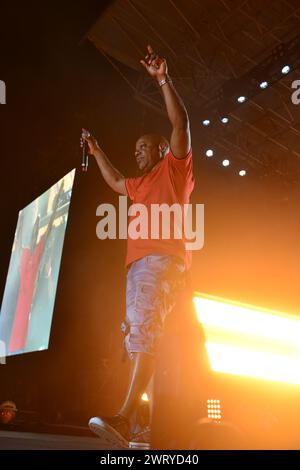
(111, 175)
(180, 141)
(180, 138)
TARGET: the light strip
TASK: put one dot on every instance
(247, 340)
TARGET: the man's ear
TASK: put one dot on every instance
(163, 149)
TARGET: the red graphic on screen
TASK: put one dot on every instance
(29, 268)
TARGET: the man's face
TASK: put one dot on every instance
(147, 153)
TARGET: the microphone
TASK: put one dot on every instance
(85, 157)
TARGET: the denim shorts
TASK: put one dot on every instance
(153, 283)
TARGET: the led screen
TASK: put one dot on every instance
(30, 289)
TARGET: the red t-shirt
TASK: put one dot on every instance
(170, 181)
(29, 268)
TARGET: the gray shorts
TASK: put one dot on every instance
(153, 283)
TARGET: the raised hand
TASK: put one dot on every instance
(92, 142)
(156, 66)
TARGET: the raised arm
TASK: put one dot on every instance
(111, 175)
(180, 138)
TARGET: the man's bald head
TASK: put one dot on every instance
(149, 150)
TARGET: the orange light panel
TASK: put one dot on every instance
(247, 340)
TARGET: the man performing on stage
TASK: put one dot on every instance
(156, 267)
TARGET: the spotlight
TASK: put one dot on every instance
(214, 412)
(224, 119)
(285, 70)
(242, 172)
(241, 99)
(225, 162)
(263, 85)
(145, 397)
(206, 122)
(209, 153)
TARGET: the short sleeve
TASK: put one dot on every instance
(181, 163)
(181, 172)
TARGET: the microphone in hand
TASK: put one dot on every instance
(85, 150)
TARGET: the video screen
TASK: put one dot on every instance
(30, 289)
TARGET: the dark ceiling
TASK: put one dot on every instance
(211, 46)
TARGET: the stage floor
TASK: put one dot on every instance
(11, 440)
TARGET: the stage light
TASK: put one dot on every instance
(214, 410)
(242, 172)
(225, 162)
(209, 153)
(206, 122)
(285, 70)
(241, 99)
(145, 397)
(247, 340)
(224, 119)
(263, 85)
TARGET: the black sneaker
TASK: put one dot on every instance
(114, 431)
(141, 440)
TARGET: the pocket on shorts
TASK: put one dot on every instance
(147, 297)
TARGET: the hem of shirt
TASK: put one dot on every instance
(183, 258)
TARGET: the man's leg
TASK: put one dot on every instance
(141, 371)
(118, 426)
(151, 286)
(149, 291)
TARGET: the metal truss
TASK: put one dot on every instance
(207, 44)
